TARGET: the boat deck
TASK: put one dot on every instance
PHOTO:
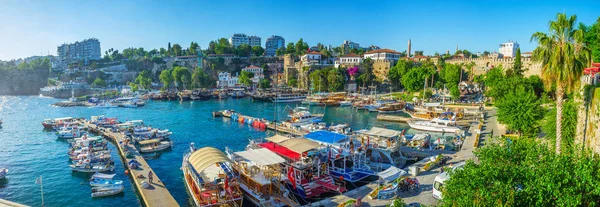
(157, 194)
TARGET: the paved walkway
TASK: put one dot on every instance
(157, 194)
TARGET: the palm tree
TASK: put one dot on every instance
(563, 55)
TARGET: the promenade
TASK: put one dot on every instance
(157, 194)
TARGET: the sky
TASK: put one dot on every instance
(30, 28)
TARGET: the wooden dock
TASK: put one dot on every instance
(157, 194)
(270, 125)
(392, 118)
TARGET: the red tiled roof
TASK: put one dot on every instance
(420, 56)
(382, 51)
(351, 55)
(313, 52)
(252, 66)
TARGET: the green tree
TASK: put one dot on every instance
(143, 79)
(335, 80)
(177, 74)
(301, 47)
(563, 54)
(166, 78)
(290, 49)
(264, 83)
(524, 172)
(451, 74)
(246, 78)
(454, 92)
(520, 110)
(366, 76)
(134, 87)
(280, 51)
(99, 82)
(258, 50)
(193, 48)
(176, 50)
(244, 50)
(592, 39)
(517, 68)
(414, 79)
(200, 79)
(319, 80)
(292, 82)
(398, 71)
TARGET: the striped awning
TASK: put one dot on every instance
(205, 157)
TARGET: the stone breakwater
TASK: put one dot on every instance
(22, 82)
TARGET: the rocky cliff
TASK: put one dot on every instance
(588, 124)
(22, 82)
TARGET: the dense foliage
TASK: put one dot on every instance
(524, 172)
(246, 78)
(37, 64)
(569, 124)
(328, 79)
(520, 110)
(414, 79)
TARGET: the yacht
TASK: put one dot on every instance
(66, 90)
(154, 145)
(210, 179)
(301, 116)
(287, 98)
(435, 125)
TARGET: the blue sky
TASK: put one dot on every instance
(36, 27)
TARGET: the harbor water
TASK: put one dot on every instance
(29, 152)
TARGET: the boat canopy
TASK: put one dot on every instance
(206, 157)
(391, 174)
(64, 118)
(283, 151)
(103, 176)
(277, 138)
(381, 132)
(150, 141)
(261, 157)
(299, 145)
(325, 136)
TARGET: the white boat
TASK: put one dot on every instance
(286, 98)
(106, 191)
(302, 116)
(3, 172)
(98, 182)
(91, 167)
(66, 133)
(154, 145)
(435, 125)
(105, 105)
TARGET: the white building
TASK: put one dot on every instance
(311, 58)
(86, 50)
(272, 44)
(227, 81)
(237, 39)
(254, 41)
(349, 59)
(383, 54)
(257, 71)
(508, 49)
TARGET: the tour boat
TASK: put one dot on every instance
(346, 159)
(51, 123)
(307, 173)
(154, 145)
(210, 179)
(435, 125)
(391, 108)
(382, 147)
(261, 177)
(107, 190)
(419, 140)
(3, 172)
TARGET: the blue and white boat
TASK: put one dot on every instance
(104, 180)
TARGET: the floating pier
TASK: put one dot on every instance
(157, 194)
(270, 125)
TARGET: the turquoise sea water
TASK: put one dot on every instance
(28, 151)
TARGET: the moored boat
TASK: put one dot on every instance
(154, 145)
(435, 125)
(3, 172)
(107, 190)
(210, 179)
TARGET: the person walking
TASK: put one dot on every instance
(150, 176)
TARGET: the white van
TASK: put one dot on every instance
(438, 182)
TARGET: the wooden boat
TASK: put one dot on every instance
(391, 108)
(331, 102)
(261, 178)
(106, 191)
(51, 123)
(210, 179)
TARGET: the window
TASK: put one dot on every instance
(438, 186)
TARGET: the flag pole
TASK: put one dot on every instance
(42, 189)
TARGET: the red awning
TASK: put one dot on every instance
(280, 150)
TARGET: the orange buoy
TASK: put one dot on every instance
(126, 172)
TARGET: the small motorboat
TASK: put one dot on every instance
(345, 103)
(92, 167)
(3, 172)
(96, 182)
(154, 145)
(106, 191)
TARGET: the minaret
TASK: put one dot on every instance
(456, 47)
(408, 51)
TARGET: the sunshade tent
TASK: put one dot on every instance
(299, 145)
(381, 132)
(391, 174)
(277, 139)
(261, 157)
(206, 157)
(325, 136)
